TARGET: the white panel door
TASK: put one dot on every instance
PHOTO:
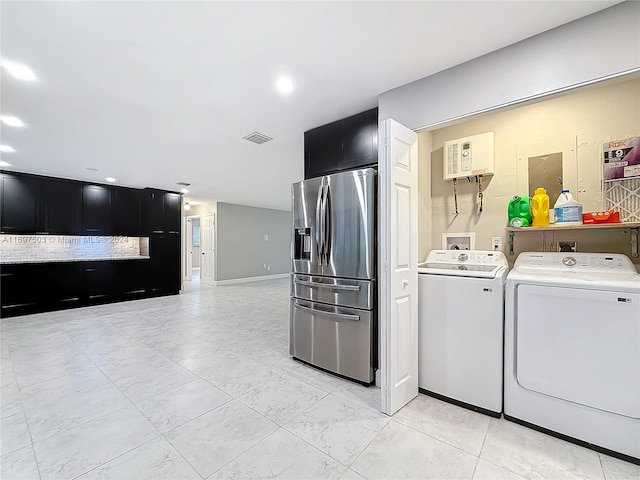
(398, 265)
(207, 244)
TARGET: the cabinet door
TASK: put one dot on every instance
(164, 250)
(96, 210)
(360, 140)
(21, 288)
(172, 212)
(99, 280)
(20, 204)
(155, 205)
(61, 206)
(127, 212)
(64, 283)
(322, 150)
(132, 277)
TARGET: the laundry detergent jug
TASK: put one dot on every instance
(540, 208)
(519, 211)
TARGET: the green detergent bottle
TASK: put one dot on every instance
(520, 211)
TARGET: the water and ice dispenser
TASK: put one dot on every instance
(302, 244)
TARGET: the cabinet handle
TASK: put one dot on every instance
(42, 233)
(173, 231)
(89, 269)
(158, 231)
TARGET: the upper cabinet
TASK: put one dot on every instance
(343, 145)
(96, 210)
(162, 211)
(34, 204)
(19, 211)
(61, 206)
(127, 212)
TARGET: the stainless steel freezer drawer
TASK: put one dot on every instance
(337, 339)
(335, 291)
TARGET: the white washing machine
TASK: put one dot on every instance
(460, 327)
(572, 348)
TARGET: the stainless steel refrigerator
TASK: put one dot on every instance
(333, 283)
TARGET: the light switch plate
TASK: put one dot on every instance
(496, 244)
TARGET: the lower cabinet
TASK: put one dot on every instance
(30, 288)
(63, 284)
(21, 288)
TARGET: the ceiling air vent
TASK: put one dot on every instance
(257, 137)
(184, 184)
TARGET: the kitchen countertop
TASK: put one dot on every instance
(68, 260)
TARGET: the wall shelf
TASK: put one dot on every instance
(632, 226)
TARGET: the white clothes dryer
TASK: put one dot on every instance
(460, 327)
(572, 349)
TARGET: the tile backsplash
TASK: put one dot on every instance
(47, 248)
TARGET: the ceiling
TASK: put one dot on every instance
(155, 93)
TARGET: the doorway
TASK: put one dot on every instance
(192, 250)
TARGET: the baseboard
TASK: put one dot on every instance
(251, 279)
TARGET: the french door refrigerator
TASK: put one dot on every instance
(333, 282)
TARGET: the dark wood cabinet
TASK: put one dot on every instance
(21, 286)
(164, 250)
(343, 145)
(96, 210)
(99, 279)
(162, 211)
(33, 204)
(61, 206)
(19, 210)
(132, 277)
(127, 212)
(63, 284)
(360, 140)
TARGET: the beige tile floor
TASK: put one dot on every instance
(200, 385)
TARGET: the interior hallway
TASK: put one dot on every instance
(200, 385)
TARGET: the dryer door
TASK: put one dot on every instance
(580, 345)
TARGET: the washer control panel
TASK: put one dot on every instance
(467, 257)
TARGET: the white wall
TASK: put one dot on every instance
(593, 47)
(575, 124)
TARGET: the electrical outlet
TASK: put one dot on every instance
(496, 244)
(268, 267)
(570, 246)
(265, 266)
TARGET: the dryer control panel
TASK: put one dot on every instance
(584, 262)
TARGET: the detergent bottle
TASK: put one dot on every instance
(540, 208)
(519, 211)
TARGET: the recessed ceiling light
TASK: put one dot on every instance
(4, 164)
(284, 84)
(6, 149)
(11, 121)
(19, 71)
(187, 206)
(110, 179)
(184, 190)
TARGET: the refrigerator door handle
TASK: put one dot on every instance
(338, 317)
(318, 226)
(327, 224)
(353, 288)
